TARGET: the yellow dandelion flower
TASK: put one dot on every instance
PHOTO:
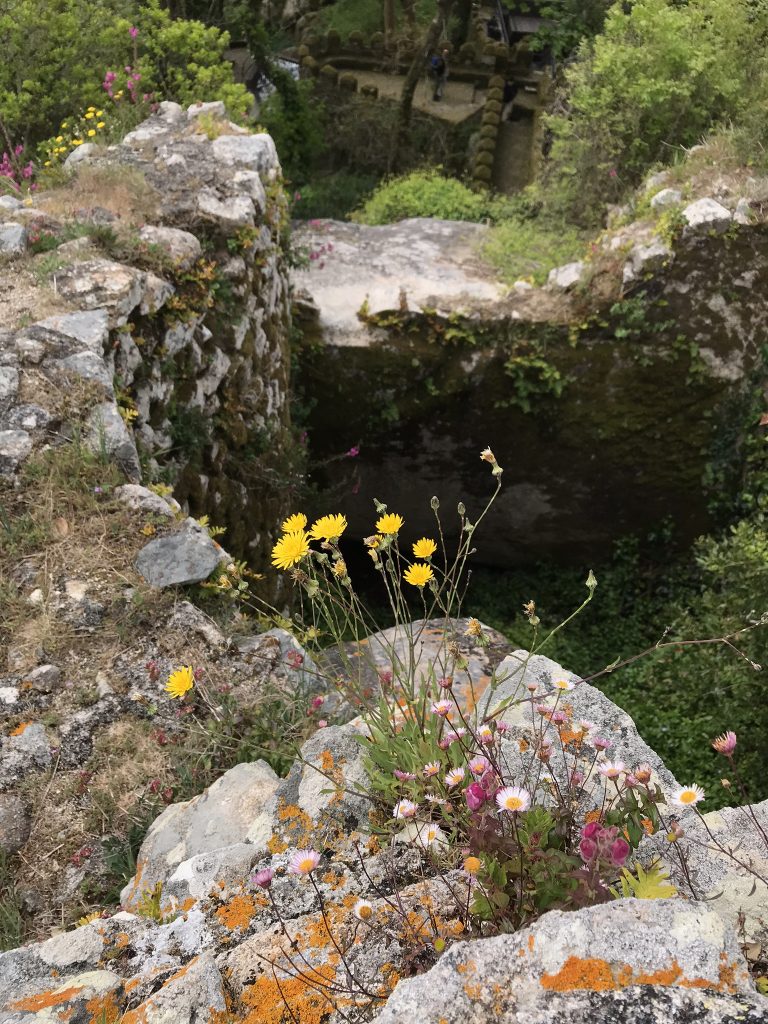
(99, 113)
(118, 95)
(89, 114)
(419, 574)
(298, 521)
(290, 549)
(390, 523)
(91, 132)
(339, 568)
(47, 163)
(328, 527)
(180, 681)
(424, 548)
(65, 124)
(59, 138)
(77, 142)
(100, 124)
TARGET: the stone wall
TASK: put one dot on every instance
(607, 395)
(185, 338)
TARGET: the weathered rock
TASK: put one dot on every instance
(186, 556)
(79, 996)
(141, 499)
(82, 154)
(15, 822)
(10, 203)
(182, 246)
(87, 365)
(13, 240)
(26, 748)
(15, 446)
(9, 385)
(732, 879)
(103, 283)
(230, 812)
(646, 259)
(156, 294)
(324, 795)
(567, 276)
(194, 995)
(420, 261)
(27, 417)
(589, 964)
(72, 332)
(215, 108)
(229, 214)
(108, 433)
(667, 197)
(743, 213)
(508, 689)
(253, 152)
(707, 215)
(44, 678)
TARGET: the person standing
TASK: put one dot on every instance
(438, 72)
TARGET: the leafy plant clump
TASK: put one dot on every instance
(428, 193)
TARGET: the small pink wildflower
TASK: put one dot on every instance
(404, 776)
(430, 769)
(454, 777)
(478, 765)
(443, 708)
(263, 878)
(475, 796)
(611, 769)
(725, 744)
(600, 743)
(404, 809)
(304, 862)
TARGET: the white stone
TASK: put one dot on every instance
(667, 197)
(182, 246)
(252, 152)
(567, 276)
(231, 214)
(13, 240)
(81, 154)
(707, 214)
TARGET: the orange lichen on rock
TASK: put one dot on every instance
(103, 1010)
(19, 729)
(237, 913)
(581, 973)
(268, 999)
(596, 975)
(276, 845)
(45, 1000)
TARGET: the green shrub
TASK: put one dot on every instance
(493, 107)
(489, 131)
(483, 174)
(658, 77)
(484, 160)
(295, 120)
(429, 194)
(486, 146)
(177, 59)
(521, 248)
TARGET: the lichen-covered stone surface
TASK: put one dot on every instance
(620, 377)
(201, 941)
(596, 965)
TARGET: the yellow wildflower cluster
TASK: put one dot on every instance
(293, 545)
(73, 132)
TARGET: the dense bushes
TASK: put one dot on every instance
(658, 77)
(55, 57)
(428, 193)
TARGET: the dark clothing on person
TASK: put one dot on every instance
(438, 72)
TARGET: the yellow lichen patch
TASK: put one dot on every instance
(45, 1000)
(103, 1010)
(122, 939)
(297, 826)
(237, 913)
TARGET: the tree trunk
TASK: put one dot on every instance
(390, 20)
(410, 14)
(437, 27)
